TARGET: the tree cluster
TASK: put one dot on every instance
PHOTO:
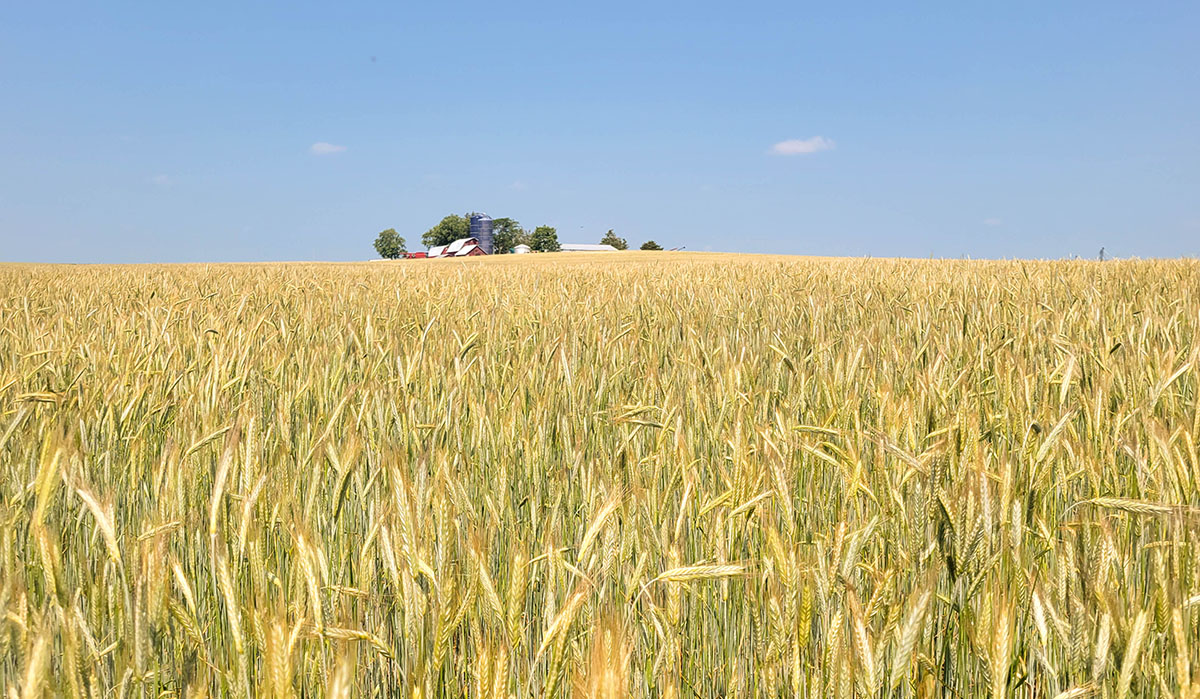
(448, 230)
(390, 245)
(611, 238)
(544, 239)
(508, 234)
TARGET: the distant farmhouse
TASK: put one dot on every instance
(480, 242)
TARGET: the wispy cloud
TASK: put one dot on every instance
(803, 146)
(322, 148)
(518, 186)
(992, 222)
(160, 180)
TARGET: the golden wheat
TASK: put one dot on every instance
(673, 475)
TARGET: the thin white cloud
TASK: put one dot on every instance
(518, 186)
(322, 148)
(160, 180)
(992, 222)
(803, 146)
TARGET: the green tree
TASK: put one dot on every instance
(508, 234)
(447, 231)
(545, 239)
(389, 244)
(651, 245)
(611, 238)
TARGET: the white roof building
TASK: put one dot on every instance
(459, 248)
(587, 247)
(453, 248)
(522, 249)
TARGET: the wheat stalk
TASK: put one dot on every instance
(1132, 649)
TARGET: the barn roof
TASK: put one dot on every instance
(453, 248)
(466, 250)
(437, 250)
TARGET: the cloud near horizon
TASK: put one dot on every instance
(322, 148)
(803, 146)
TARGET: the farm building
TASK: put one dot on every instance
(522, 249)
(459, 245)
(463, 247)
(480, 241)
(587, 247)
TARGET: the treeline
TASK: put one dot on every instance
(507, 234)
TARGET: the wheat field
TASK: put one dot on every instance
(646, 474)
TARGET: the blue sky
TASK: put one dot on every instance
(170, 131)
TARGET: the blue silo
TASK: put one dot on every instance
(481, 230)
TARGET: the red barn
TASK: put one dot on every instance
(463, 247)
